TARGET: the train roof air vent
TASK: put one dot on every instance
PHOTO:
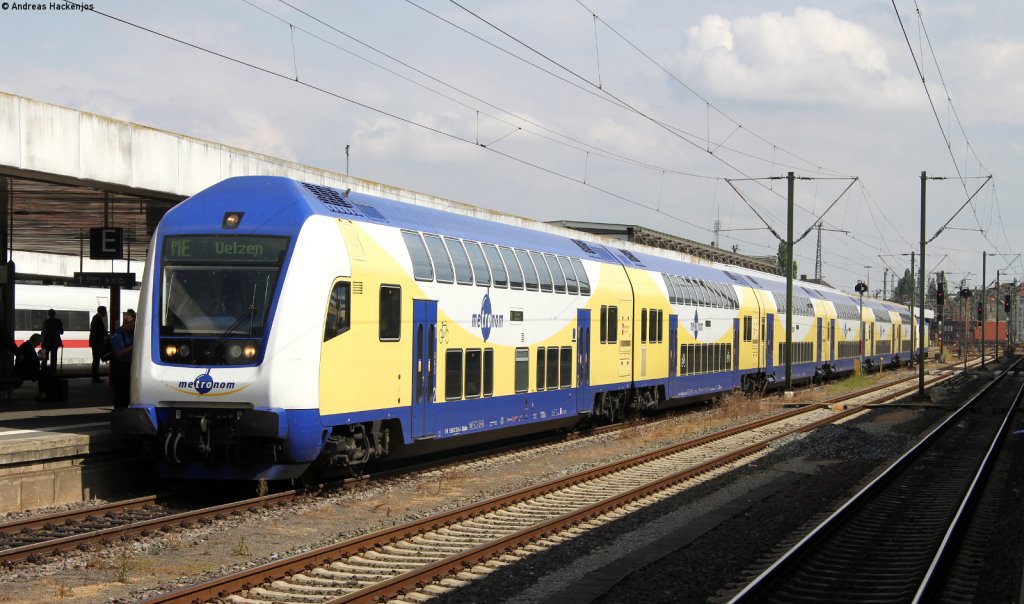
(583, 246)
(632, 258)
(371, 212)
(332, 199)
(733, 277)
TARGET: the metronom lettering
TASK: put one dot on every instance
(487, 320)
(211, 385)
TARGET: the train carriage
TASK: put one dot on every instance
(74, 306)
(288, 328)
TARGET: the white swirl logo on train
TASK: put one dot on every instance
(486, 320)
(206, 385)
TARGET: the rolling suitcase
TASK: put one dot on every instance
(54, 385)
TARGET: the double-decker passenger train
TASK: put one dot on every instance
(287, 327)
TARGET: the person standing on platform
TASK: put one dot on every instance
(98, 340)
(52, 330)
(121, 362)
(26, 366)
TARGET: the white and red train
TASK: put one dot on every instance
(75, 307)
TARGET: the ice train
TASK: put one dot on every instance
(74, 306)
(287, 327)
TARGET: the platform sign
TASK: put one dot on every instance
(106, 243)
(105, 279)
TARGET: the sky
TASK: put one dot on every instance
(684, 117)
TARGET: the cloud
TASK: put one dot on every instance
(809, 57)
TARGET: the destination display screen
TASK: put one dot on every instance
(225, 249)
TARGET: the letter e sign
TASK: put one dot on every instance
(106, 243)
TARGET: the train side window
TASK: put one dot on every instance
(677, 285)
(613, 324)
(390, 313)
(556, 273)
(659, 326)
(570, 278)
(542, 270)
(652, 330)
(480, 270)
(463, 270)
(552, 378)
(472, 373)
(453, 374)
(670, 289)
(643, 326)
(529, 272)
(541, 371)
(581, 276)
(604, 324)
(488, 371)
(439, 255)
(688, 292)
(338, 308)
(748, 328)
(565, 362)
(716, 296)
(522, 369)
(515, 274)
(421, 267)
(497, 266)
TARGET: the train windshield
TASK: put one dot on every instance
(219, 286)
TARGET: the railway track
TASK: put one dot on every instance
(894, 540)
(35, 539)
(442, 552)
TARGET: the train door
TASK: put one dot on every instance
(424, 363)
(769, 341)
(582, 351)
(735, 357)
(673, 345)
(831, 340)
(819, 341)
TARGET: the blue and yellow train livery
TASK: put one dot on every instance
(286, 328)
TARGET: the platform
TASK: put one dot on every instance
(53, 453)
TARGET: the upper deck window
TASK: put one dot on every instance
(463, 270)
(581, 276)
(556, 274)
(422, 270)
(515, 274)
(497, 266)
(441, 261)
(570, 278)
(529, 272)
(480, 270)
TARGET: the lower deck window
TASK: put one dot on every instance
(453, 375)
(522, 369)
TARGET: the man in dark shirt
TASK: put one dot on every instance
(98, 340)
(52, 330)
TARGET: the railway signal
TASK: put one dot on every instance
(940, 293)
(981, 309)
(1006, 303)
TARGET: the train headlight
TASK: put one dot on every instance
(232, 220)
(234, 352)
(184, 350)
(170, 350)
(249, 351)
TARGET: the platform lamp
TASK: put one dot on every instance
(860, 288)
